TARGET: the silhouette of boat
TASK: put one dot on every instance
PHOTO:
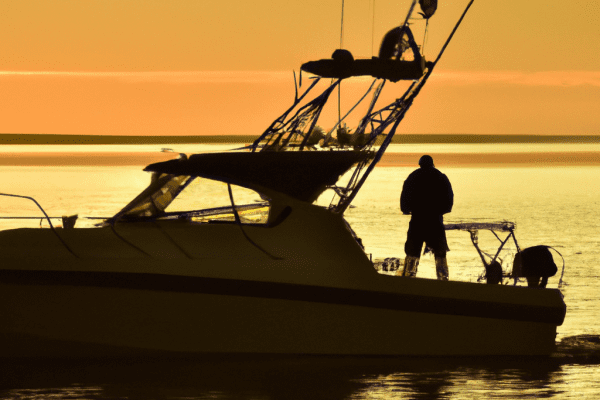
(278, 275)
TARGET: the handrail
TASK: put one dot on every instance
(47, 218)
(238, 222)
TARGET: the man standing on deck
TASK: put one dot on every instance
(426, 195)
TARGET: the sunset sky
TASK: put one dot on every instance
(203, 67)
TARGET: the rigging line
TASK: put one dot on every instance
(373, 30)
(342, 28)
(340, 105)
(328, 136)
(341, 47)
(280, 122)
(425, 37)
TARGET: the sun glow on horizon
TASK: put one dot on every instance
(456, 77)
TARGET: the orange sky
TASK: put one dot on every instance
(206, 67)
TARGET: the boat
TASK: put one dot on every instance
(270, 272)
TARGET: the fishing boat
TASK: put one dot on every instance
(270, 272)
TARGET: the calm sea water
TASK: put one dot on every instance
(555, 206)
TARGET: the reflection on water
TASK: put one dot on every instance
(566, 375)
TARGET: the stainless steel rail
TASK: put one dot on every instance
(45, 215)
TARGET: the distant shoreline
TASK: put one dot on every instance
(443, 160)
(51, 139)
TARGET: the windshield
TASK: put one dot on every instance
(203, 200)
(153, 201)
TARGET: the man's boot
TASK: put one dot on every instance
(410, 267)
(441, 268)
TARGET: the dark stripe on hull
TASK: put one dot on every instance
(287, 291)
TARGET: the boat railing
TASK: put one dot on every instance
(473, 227)
(45, 216)
(391, 264)
(503, 226)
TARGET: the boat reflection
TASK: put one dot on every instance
(311, 377)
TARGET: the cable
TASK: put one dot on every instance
(373, 31)
(425, 37)
(342, 28)
(341, 47)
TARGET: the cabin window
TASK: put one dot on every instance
(196, 199)
(206, 200)
(153, 200)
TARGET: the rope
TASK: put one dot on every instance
(340, 105)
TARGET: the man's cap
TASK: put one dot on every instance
(426, 161)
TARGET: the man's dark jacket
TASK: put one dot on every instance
(426, 192)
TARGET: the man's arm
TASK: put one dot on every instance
(406, 198)
(449, 200)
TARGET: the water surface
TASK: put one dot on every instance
(555, 206)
